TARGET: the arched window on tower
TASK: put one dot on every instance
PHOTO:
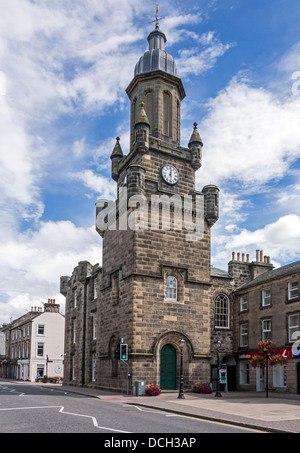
(222, 311)
(171, 288)
(149, 107)
(178, 121)
(167, 113)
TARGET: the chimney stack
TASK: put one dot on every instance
(242, 270)
(51, 306)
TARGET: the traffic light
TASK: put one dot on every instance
(124, 351)
(117, 352)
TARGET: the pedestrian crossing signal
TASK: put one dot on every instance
(124, 351)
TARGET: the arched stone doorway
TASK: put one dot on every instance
(168, 367)
(167, 353)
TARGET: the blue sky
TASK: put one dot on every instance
(64, 68)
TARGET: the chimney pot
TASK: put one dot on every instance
(243, 257)
(247, 256)
(238, 256)
(261, 256)
(257, 255)
(233, 256)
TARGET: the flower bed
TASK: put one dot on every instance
(152, 390)
(202, 388)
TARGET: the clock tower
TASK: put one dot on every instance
(155, 287)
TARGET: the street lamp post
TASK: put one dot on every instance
(181, 395)
(218, 392)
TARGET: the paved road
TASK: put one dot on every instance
(28, 408)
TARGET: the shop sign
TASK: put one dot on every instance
(286, 353)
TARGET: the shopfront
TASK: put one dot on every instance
(280, 378)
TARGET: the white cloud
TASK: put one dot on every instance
(201, 58)
(21, 159)
(33, 262)
(254, 136)
(103, 186)
(279, 240)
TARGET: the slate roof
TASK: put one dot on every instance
(273, 275)
(215, 272)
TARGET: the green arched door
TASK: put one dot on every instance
(168, 368)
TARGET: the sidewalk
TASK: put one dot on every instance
(277, 413)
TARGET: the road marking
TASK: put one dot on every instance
(62, 411)
(94, 420)
(30, 407)
(151, 411)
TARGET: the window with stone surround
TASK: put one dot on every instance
(244, 335)
(266, 329)
(293, 290)
(95, 288)
(266, 297)
(244, 302)
(171, 288)
(293, 326)
(222, 312)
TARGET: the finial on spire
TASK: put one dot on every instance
(156, 19)
(157, 24)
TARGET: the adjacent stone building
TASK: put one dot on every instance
(267, 306)
(156, 285)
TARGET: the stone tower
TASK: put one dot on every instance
(155, 283)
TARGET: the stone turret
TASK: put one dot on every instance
(195, 145)
(142, 128)
(211, 203)
(116, 157)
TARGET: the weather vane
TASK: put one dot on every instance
(156, 18)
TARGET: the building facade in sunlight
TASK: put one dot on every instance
(33, 345)
(156, 285)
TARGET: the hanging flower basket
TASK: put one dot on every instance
(277, 360)
(257, 361)
(267, 347)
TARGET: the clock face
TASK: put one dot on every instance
(170, 174)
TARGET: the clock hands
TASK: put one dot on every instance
(169, 174)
